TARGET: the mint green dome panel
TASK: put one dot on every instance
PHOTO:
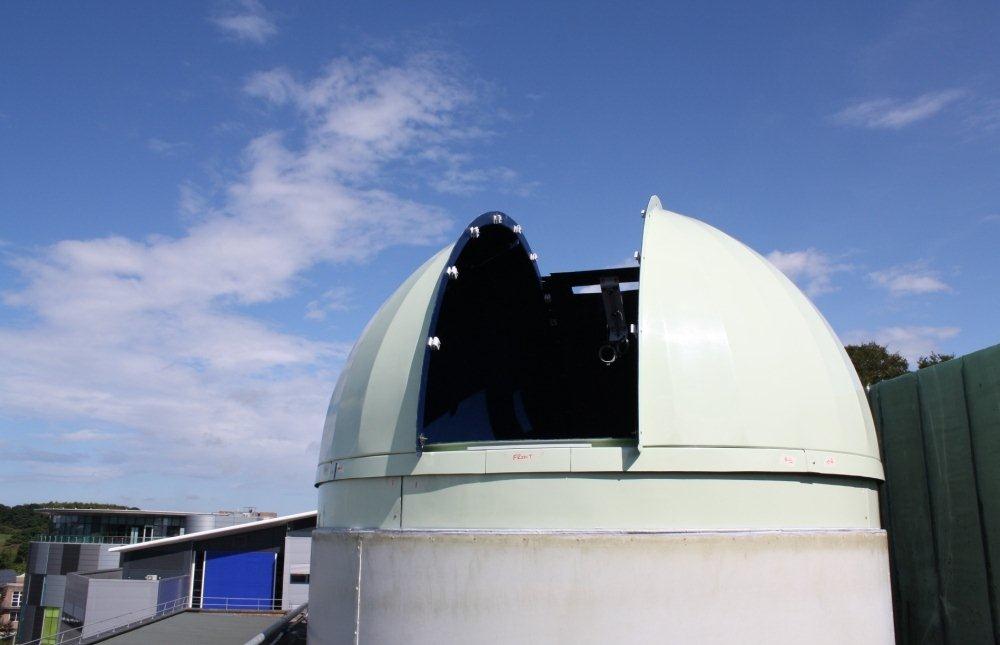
(732, 354)
(374, 406)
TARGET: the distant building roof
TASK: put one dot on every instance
(7, 576)
(113, 511)
(211, 533)
(144, 512)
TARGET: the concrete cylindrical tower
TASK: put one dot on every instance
(680, 453)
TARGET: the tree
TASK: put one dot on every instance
(933, 359)
(875, 363)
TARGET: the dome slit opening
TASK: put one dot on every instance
(523, 358)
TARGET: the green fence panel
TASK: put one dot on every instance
(906, 500)
(954, 505)
(982, 395)
(939, 432)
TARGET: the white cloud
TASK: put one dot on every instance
(909, 280)
(910, 341)
(165, 148)
(381, 111)
(68, 473)
(89, 434)
(336, 299)
(811, 269)
(894, 114)
(984, 116)
(460, 181)
(249, 21)
(152, 336)
(457, 178)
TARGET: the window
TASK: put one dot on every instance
(299, 574)
(15, 599)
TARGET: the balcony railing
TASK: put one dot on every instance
(106, 627)
(96, 539)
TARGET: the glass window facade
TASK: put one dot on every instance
(123, 527)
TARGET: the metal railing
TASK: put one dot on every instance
(231, 603)
(95, 539)
(75, 635)
(274, 632)
(138, 617)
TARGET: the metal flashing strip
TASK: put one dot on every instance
(528, 446)
(210, 533)
(594, 532)
(574, 458)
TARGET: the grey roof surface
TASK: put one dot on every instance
(197, 628)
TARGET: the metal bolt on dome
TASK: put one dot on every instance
(474, 231)
(452, 272)
(434, 343)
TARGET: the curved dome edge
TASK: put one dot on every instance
(379, 385)
(733, 354)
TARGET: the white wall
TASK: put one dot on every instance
(112, 603)
(766, 587)
(297, 555)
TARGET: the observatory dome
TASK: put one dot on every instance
(699, 389)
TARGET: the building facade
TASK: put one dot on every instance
(258, 567)
(11, 599)
(241, 567)
(82, 539)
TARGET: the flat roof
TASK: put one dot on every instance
(197, 628)
(211, 533)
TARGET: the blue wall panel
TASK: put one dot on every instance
(239, 580)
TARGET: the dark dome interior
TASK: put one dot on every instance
(525, 358)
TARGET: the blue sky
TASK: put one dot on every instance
(202, 204)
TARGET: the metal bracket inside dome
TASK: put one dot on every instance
(614, 314)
